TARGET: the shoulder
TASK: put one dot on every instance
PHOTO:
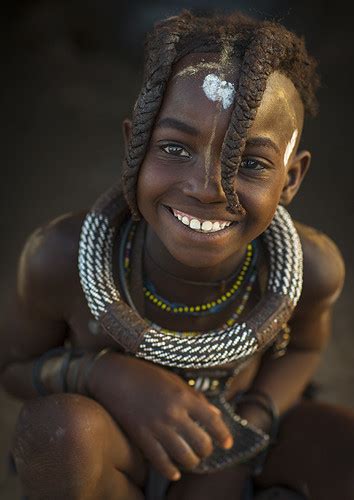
(324, 269)
(48, 264)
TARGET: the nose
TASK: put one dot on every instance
(204, 183)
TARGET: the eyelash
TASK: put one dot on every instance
(177, 149)
(259, 166)
(255, 165)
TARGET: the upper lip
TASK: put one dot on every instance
(193, 212)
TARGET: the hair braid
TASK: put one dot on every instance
(161, 53)
(261, 58)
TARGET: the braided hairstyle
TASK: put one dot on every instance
(262, 47)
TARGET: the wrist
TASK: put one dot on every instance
(255, 415)
(95, 370)
(65, 370)
(259, 409)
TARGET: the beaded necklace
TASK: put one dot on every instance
(249, 281)
(212, 306)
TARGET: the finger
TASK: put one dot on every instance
(157, 455)
(197, 438)
(213, 424)
(178, 448)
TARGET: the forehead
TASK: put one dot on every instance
(279, 114)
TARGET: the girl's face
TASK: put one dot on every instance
(181, 173)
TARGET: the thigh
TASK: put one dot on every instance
(314, 452)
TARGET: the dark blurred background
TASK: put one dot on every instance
(70, 73)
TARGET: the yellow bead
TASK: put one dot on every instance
(186, 309)
(219, 301)
(191, 382)
(228, 294)
(180, 309)
(204, 307)
(191, 309)
(213, 304)
(163, 306)
(197, 308)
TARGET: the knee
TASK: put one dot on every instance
(59, 435)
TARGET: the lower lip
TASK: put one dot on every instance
(212, 236)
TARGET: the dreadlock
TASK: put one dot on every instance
(262, 47)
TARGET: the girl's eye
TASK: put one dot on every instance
(175, 150)
(250, 164)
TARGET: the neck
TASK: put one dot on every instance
(162, 269)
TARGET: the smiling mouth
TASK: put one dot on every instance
(200, 225)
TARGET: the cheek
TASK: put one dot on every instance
(260, 197)
(153, 182)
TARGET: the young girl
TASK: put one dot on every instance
(164, 339)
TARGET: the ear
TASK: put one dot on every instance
(296, 172)
(127, 130)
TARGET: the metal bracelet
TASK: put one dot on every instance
(37, 369)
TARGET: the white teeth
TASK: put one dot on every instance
(207, 225)
(194, 224)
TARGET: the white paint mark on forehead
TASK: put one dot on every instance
(219, 90)
(290, 147)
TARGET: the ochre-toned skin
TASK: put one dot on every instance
(70, 446)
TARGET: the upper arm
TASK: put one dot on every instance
(36, 318)
(323, 280)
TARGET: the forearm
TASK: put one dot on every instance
(284, 380)
(55, 375)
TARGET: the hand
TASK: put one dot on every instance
(169, 421)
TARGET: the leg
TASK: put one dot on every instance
(227, 484)
(314, 453)
(68, 446)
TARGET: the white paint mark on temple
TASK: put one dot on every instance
(290, 147)
(219, 90)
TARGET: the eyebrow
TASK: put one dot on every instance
(189, 129)
(178, 125)
(263, 141)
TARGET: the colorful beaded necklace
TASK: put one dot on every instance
(249, 275)
(212, 306)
